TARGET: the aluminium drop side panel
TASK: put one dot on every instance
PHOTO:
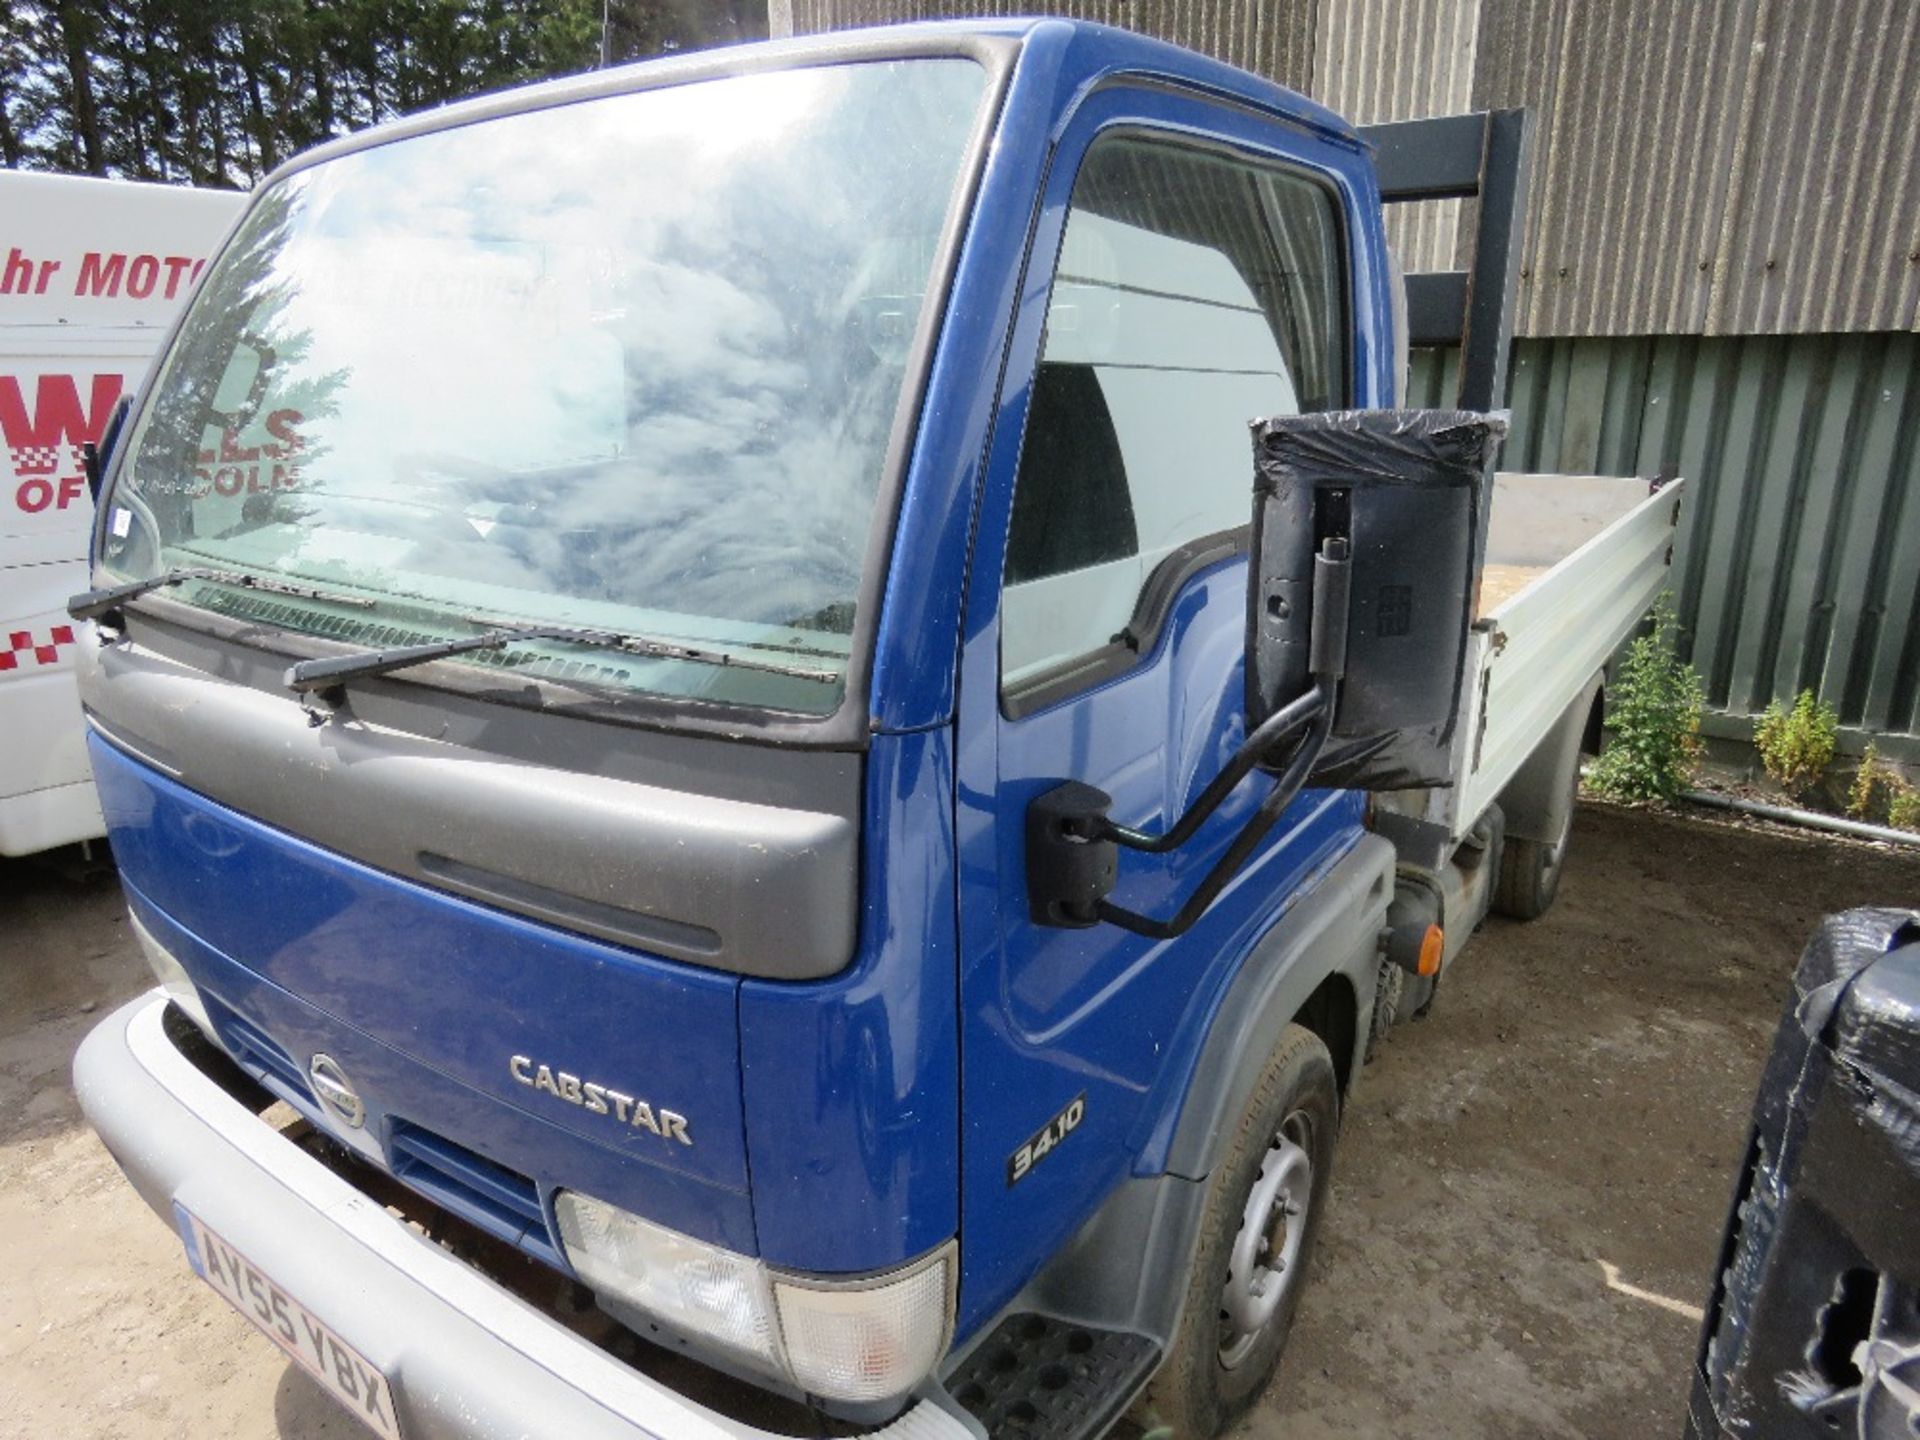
(1539, 648)
(1529, 658)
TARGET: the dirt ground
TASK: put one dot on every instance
(1565, 1123)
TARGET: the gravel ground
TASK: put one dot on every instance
(1572, 1111)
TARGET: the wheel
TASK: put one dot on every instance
(1386, 1003)
(1529, 873)
(1256, 1240)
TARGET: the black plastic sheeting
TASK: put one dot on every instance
(1814, 1324)
(1410, 489)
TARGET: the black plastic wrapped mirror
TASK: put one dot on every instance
(1405, 490)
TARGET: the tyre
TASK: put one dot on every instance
(1386, 1003)
(1256, 1241)
(1529, 873)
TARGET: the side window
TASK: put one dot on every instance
(1193, 293)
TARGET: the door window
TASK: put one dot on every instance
(1193, 294)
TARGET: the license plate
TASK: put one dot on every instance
(340, 1369)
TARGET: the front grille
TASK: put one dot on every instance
(261, 1057)
(500, 1201)
(503, 1202)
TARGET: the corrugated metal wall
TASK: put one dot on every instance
(1378, 60)
(1704, 167)
(1798, 565)
(1715, 167)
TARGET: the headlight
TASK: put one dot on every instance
(707, 1292)
(859, 1341)
(172, 976)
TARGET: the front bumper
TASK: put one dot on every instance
(465, 1357)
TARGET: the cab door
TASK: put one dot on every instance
(1191, 270)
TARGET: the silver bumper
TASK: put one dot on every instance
(464, 1356)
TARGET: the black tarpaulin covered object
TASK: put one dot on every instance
(1408, 490)
(1814, 1324)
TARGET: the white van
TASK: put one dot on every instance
(91, 274)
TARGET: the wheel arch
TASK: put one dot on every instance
(1537, 802)
(1315, 966)
(1333, 1013)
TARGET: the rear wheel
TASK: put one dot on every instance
(1263, 1215)
(1529, 874)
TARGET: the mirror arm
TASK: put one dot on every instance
(1327, 651)
(1073, 844)
(1252, 751)
(94, 456)
(1291, 780)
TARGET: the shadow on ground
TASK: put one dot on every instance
(1578, 1100)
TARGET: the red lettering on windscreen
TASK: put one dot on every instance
(236, 469)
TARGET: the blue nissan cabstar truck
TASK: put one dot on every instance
(756, 808)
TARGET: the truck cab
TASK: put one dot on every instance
(580, 805)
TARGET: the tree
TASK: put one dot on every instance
(219, 92)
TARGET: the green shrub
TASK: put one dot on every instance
(1867, 780)
(1796, 745)
(1903, 807)
(1654, 719)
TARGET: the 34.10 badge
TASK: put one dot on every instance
(1046, 1140)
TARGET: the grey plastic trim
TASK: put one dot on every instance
(1154, 1222)
(1333, 929)
(466, 1357)
(743, 858)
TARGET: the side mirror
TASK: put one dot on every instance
(1366, 531)
(94, 458)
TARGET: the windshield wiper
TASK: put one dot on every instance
(94, 603)
(334, 672)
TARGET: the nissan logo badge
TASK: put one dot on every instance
(336, 1092)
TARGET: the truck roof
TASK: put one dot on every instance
(1084, 52)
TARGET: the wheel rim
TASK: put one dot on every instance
(1263, 1265)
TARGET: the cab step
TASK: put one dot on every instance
(1038, 1378)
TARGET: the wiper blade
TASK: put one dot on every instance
(335, 671)
(94, 603)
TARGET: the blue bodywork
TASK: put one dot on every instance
(849, 1124)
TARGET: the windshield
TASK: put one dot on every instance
(629, 364)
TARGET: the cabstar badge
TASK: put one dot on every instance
(599, 1099)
